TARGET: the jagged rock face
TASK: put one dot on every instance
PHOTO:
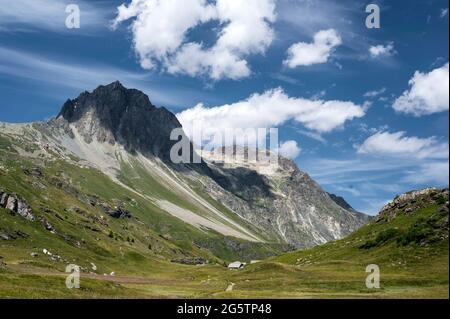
(287, 203)
(114, 114)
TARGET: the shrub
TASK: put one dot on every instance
(442, 200)
(382, 238)
(421, 231)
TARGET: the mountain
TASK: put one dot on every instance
(95, 185)
(118, 131)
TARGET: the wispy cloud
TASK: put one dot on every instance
(50, 15)
(437, 172)
(61, 73)
(301, 19)
(371, 183)
(313, 135)
(35, 67)
(375, 93)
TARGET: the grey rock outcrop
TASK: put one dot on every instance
(411, 202)
(15, 205)
(116, 212)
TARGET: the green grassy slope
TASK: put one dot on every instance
(411, 249)
(409, 244)
(70, 197)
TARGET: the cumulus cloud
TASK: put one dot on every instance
(160, 34)
(379, 51)
(428, 93)
(289, 149)
(399, 145)
(305, 54)
(269, 110)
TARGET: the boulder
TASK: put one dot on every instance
(24, 211)
(16, 205)
(4, 236)
(116, 212)
(11, 204)
(46, 224)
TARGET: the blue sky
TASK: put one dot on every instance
(364, 111)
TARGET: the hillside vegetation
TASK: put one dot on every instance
(149, 254)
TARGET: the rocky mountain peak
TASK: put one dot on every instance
(109, 102)
(114, 114)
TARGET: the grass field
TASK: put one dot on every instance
(335, 270)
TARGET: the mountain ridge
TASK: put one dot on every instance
(120, 132)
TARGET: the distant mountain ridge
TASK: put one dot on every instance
(341, 202)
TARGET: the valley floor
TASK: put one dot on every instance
(331, 280)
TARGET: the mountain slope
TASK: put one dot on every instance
(413, 261)
(408, 240)
(119, 132)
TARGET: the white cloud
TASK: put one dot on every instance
(379, 51)
(437, 173)
(428, 93)
(313, 135)
(444, 13)
(318, 52)
(373, 94)
(269, 110)
(160, 35)
(289, 149)
(400, 145)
